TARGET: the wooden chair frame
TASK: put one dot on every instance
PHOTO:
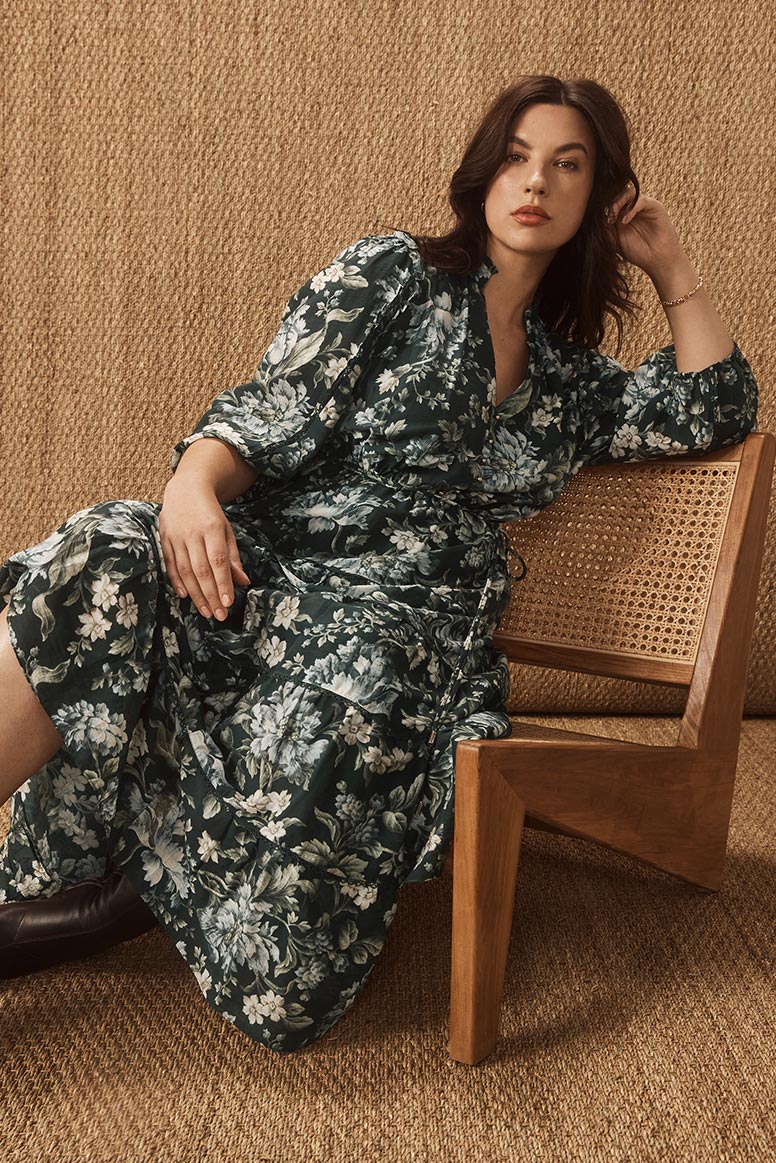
(668, 806)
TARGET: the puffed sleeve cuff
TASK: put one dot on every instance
(656, 410)
(280, 419)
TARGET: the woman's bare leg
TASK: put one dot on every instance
(28, 738)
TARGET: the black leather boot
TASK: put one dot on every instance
(84, 918)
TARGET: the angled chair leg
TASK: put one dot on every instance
(488, 830)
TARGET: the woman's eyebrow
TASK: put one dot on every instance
(561, 148)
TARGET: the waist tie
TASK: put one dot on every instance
(478, 616)
(457, 670)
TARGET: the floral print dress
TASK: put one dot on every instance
(268, 782)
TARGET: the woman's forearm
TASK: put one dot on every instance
(215, 464)
(700, 337)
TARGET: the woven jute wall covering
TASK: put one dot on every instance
(172, 173)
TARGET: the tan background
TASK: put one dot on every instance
(173, 172)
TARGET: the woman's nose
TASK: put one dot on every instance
(536, 181)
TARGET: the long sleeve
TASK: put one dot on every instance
(280, 419)
(656, 411)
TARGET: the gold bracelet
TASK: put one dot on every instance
(673, 302)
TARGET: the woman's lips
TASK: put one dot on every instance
(530, 219)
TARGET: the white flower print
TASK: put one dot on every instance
(628, 437)
(277, 802)
(238, 931)
(209, 849)
(72, 824)
(284, 727)
(127, 612)
(285, 611)
(335, 367)
(268, 1005)
(407, 540)
(386, 382)
(82, 722)
(354, 727)
(661, 442)
(273, 830)
(105, 590)
(26, 886)
(380, 761)
(330, 414)
(333, 273)
(271, 649)
(291, 333)
(70, 784)
(165, 859)
(170, 640)
(550, 412)
(363, 894)
(203, 976)
(95, 625)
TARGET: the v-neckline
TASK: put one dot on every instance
(531, 323)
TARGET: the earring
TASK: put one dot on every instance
(482, 205)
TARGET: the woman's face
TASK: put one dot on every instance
(537, 170)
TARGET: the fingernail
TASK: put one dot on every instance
(227, 599)
(220, 613)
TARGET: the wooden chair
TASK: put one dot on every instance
(649, 571)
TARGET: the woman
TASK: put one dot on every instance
(263, 780)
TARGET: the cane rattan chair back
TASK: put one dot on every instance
(646, 571)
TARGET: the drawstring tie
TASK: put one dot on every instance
(513, 553)
(457, 671)
(469, 638)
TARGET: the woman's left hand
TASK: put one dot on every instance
(644, 235)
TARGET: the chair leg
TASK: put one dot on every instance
(488, 830)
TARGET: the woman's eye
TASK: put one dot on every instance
(562, 162)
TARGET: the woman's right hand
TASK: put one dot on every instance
(200, 549)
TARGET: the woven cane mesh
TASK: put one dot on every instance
(623, 560)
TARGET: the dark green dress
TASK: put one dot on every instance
(267, 783)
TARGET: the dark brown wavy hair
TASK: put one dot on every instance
(586, 278)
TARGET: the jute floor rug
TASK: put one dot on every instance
(638, 1024)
